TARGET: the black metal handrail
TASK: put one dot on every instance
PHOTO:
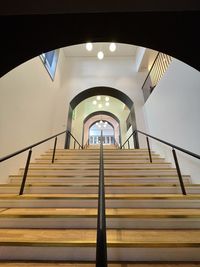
(101, 243)
(155, 73)
(173, 152)
(30, 153)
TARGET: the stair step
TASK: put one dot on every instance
(110, 173)
(54, 244)
(85, 237)
(76, 218)
(114, 180)
(96, 167)
(90, 200)
(92, 213)
(92, 188)
(79, 264)
(92, 160)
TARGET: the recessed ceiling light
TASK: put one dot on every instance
(107, 98)
(94, 102)
(97, 123)
(107, 104)
(101, 121)
(98, 97)
(112, 47)
(89, 46)
(100, 105)
(106, 122)
(100, 55)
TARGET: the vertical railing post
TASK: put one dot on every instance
(101, 243)
(179, 172)
(74, 144)
(25, 173)
(128, 144)
(54, 150)
(149, 149)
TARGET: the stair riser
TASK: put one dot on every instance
(107, 172)
(96, 161)
(88, 254)
(95, 180)
(94, 190)
(96, 167)
(91, 223)
(77, 203)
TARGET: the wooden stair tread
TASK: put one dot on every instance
(108, 196)
(79, 264)
(93, 184)
(87, 237)
(92, 212)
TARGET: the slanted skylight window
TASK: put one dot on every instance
(50, 60)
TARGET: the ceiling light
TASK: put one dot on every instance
(97, 123)
(104, 125)
(101, 121)
(107, 104)
(99, 126)
(100, 55)
(112, 47)
(98, 97)
(89, 46)
(107, 98)
(94, 102)
(106, 122)
(100, 105)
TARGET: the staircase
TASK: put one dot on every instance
(149, 221)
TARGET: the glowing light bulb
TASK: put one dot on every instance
(100, 55)
(107, 104)
(107, 98)
(112, 47)
(100, 105)
(89, 46)
(94, 102)
(98, 97)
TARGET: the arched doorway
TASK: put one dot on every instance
(102, 90)
(105, 116)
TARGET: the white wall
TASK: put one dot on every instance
(172, 113)
(27, 105)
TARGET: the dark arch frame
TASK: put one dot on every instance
(102, 113)
(22, 37)
(101, 90)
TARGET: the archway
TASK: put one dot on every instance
(95, 117)
(102, 90)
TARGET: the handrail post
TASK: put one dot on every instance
(74, 144)
(149, 149)
(101, 243)
(128, 144)
(25, 173)
(179, 172)
(54, 150)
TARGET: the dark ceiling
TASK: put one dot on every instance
(26, 36)
(27, 7)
